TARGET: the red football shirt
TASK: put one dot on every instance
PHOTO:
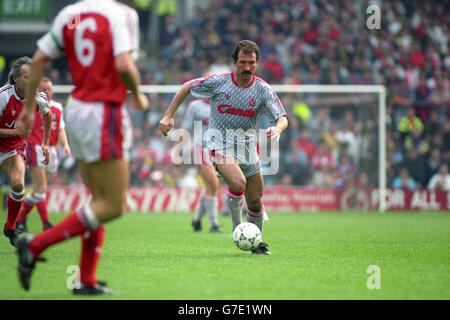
(37, 133)
(92, 33)
(11, 105)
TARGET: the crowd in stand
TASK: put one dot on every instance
(333, 144)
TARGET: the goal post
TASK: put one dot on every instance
(379, 90)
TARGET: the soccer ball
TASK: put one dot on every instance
(247, 236)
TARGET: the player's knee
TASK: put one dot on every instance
(40, 189)
(17, 186)
(237, 184)
(117, 209)
(116, 212)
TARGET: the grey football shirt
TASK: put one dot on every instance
(197, 117)
(235, 110)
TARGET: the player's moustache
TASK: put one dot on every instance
(246, 72)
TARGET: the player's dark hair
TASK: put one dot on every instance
(247, 47)
(16, 66)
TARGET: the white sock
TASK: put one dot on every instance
(211, 204)
(200, 212)
(30, 199)
(88, 218)
(17, 196)
(234, 204)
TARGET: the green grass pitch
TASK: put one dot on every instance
(314, 256)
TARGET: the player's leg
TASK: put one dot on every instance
(200, 211)
(223, 207)
(235, 179)
(14, 168)
(254, 208)
(107, 179)
(34, 160)
(39, 192)
(51, 168)
(92, 241)
(27, 206)
(210, 200)
(111, 179)
(37, 197)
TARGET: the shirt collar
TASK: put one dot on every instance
(16, 94)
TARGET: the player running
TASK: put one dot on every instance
(40, 173)
(197, 112)
(99, 39)
(237, 99)
(11, 136)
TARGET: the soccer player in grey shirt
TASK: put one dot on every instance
(237, 101)
(197, 117)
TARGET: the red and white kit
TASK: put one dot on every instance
(92, 33)
(34, 152)
(11, 106)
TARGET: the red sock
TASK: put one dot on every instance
(26, 208)
(42, 209)
(70, 227)
(14, 206)
(90, 255)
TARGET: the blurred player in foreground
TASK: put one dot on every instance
(40, 173)
(12, 131)
(99, 39)
(238, 99)
(196, 118)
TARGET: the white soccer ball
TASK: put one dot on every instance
(247, 236)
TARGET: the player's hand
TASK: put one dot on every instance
(19, 130)
(139, 102)
(273, 133)
(42, 101)
(67, 151)
(166, 124)
(46, 152)
(25, 122)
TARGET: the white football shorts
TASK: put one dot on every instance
(246, 156)
(98, 130)
(52, 166)
(12, 153)
(35, 157)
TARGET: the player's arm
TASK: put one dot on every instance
(47, 124)
(38, 65)
(167, 122)
(130, 77)
(14, 132)
(275, 131)
(62, 139)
